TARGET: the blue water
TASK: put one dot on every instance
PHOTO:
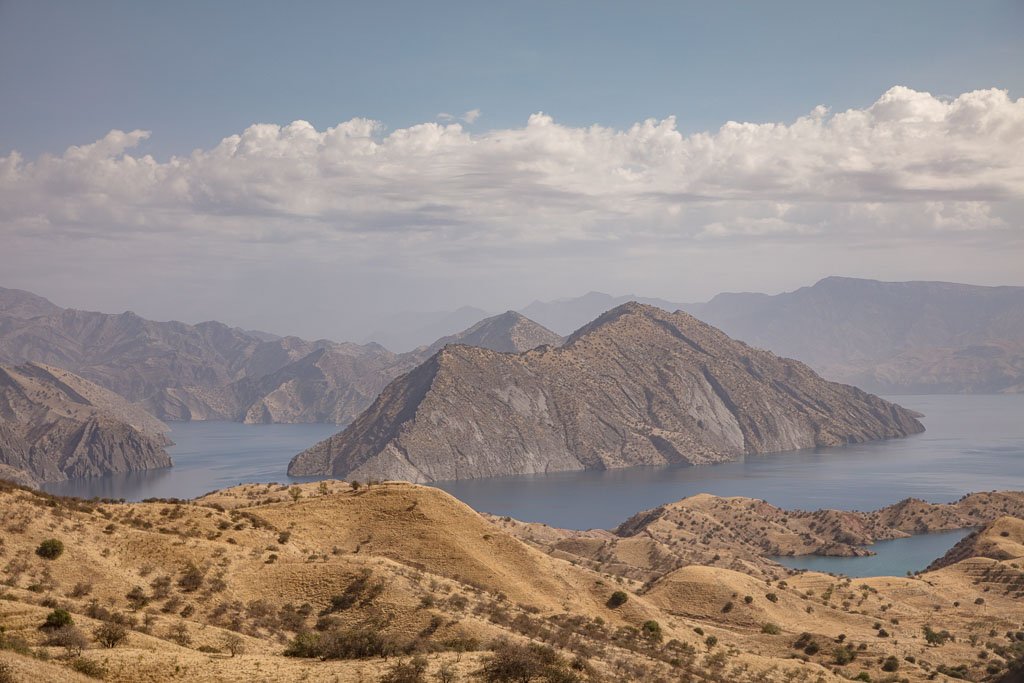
(207, 456)
(973, 443)
(893, 558)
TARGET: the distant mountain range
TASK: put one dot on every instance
(211, 371)
(888, 337)
(637, 386)
(910, 337)
(55, 425)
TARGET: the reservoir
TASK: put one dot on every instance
(972, 443)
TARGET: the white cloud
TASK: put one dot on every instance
(910, 166)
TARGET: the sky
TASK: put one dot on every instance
(309, 167)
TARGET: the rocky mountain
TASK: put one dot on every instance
(566, 315)
(637, 386)
(55, 425)
(510, 332)
(889, 337)
(410, 330)
(339, 381)
(18, 303)
(211, 371)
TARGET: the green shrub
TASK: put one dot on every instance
(844, 655)
(890, 664)
(651, 629)
(50, 549)
(770, 629)
(58, 618)
(618, 599)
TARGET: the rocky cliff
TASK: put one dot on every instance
(638, 386)
(55, 425)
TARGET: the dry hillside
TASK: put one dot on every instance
(329, 582)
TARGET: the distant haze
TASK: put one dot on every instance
(320, 172)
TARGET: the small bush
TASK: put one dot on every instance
(412, 671)
(70, 638)
(772, 597)
(511, 663)
(110, 634)
(770, 629)
(844, 655)
(88, 667)
(50, 549)
(890, 664)
(137, 597)
(191, 579)
(58, 618)
(617, 599)
(651, 630)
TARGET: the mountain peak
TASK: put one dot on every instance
(637, 386)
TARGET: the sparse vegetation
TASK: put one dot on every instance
(50, 549)
(110, 634)
(617, 599)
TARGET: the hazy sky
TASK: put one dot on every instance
(301, 167)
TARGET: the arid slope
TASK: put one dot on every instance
(55, 425)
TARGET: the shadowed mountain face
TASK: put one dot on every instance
(55, 425)
(638, 386)
(890, 337)
(211, 371)
(336, 383)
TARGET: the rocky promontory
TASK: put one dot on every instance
(637, 386)
(55, 425)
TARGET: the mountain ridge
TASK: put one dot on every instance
(636, 386)
(55, 425)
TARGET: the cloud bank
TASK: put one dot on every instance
(911, 168)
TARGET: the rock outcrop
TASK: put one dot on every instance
(55, 425)
(637, 386)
